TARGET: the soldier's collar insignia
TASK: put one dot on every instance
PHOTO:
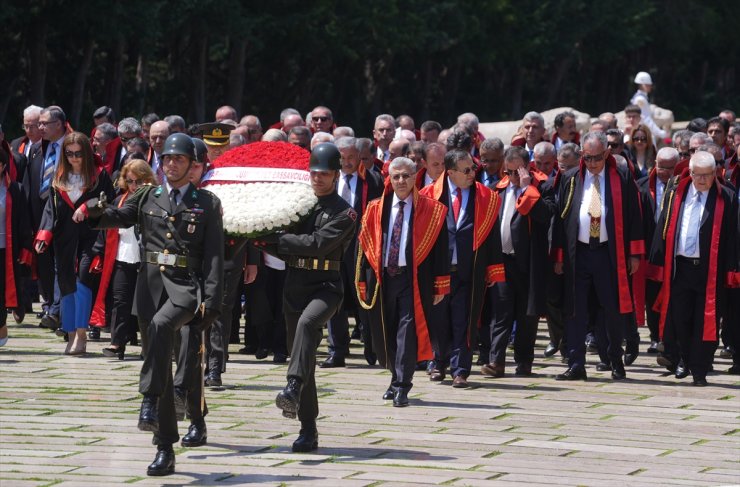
(158, 191)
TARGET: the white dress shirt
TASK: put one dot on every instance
(404, 229)
(659, 190)
(428, 179)
(352, 187)
(584, 219)
(128, 246)
(685, 230)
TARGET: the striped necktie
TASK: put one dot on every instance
(50, 164)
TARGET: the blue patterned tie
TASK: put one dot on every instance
(693, 234)
(47, 172)
(395, 241)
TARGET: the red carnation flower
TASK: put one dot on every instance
(265, 154)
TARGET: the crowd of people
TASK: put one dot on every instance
(438, 241)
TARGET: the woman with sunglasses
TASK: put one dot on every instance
(641, 150)
(77, 180)
(117, 259)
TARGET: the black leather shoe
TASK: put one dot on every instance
(630, 357)
(289, 398)
(591, 346)
(248, 350)
(437, 375)
(700, 381)
(149, 415)
(618, 372)
(50, 321)
(197, 435)
(181, 396)
(261, 354)
(401, 397)
(653, 348)
(726, 352)
(164, 462)
(40, 315)
(93, 334)
(523, 370)
(19, 314)
(213, 379)
(682, 371)
(389, 393)
(279, 358)
(573, 373)
(332, 362)
(550, 350)
(667, 363)
(308, 439)
(370, 356)
(734, 370)
(422, 365)
(602, 367)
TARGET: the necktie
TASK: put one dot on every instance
(160, 170)
(174, 196)
(395, 241)
(456, 204)
(50, 163)
(347, 190)
(693, 234)
(507, 246)
(594, 209)
(531, 154)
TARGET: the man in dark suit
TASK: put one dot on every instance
(182, 235)
(22, 145)
(475, 263)
(695, 248)
(44, 158)
(403, 275)
(597, 240)
(525, 219)
(357, 186)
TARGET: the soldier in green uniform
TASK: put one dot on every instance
(181, 275)
(313, 287)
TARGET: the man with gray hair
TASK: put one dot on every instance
(403, 274)
(274, 135)
(176, 123)
(343, 131)
(357, 188)
(22, 145)
(322, 119)
(254, 128)
(597, 244)
(384, 131)
(531, 133)
(106, 135)
(226, 112)
(320, 138)
(292, 120)
(546, 158)
(300, 136)
(695, 251)
(680, 142)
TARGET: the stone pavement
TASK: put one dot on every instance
(72, 421)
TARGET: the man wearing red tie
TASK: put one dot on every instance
(474, 249)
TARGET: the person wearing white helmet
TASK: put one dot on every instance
(644, 86)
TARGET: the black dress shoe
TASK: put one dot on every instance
(19, 314)
(261, 354)
(401, 397)
(618, 372)
(111, 351)
(50, 321)
(523, 370)
(289, 398)
(550, 350)
(332, 362)
(40, 314)
(370, 356)
(164, 462)
(149, 415)
(592, 346)
(93, 334)
(630, 357)
(389, 393)
(653, 348)
(197, 435)
(682, 371)
(602, 367)
(734, 370)
(573, 373)
(308, 439)
(700, 381)
(181, 397)
(213, 379)
(248, 349)
(279, 358)
(667, 363)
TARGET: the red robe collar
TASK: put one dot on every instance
(11, 299)
(710, 303)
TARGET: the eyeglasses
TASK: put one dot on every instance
(76, 154)
(134, 181)
(702, 176)
(398, 177)
(30, 126)
(320, 119)
(614, 145)
(684, 155)
(594, 158)
(126, 139)
(639, 139)
(44, 124)
(465, 171)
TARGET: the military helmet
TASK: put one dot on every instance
(201, 150)
(325, 157)
(179, 143)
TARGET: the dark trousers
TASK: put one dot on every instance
(593, 270)
(123, 325)
(189, 371)
(555, 321)
(3, 309)
(731, 323)
(400, 326)
(305, 330)
(47, 278)
(652, 289)
(510, 304)
(458, 314)
(218, 335)
(686, 307)
(486, 323)
(156, 372)
(338, 325)
(265, 298)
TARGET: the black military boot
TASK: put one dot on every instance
(164, 462)
(213, 379)
(197, 434)
(149, 415)
(289, 398)
(308, 438)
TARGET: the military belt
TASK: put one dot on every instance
(172, 260)
(310, 264)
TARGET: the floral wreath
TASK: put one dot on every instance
(263, 187)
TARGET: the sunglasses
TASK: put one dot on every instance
(134, 181)
(684, 155)
(614, 145)
(466, 171)
(319, 119)
(639, 139)
(76, 154)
